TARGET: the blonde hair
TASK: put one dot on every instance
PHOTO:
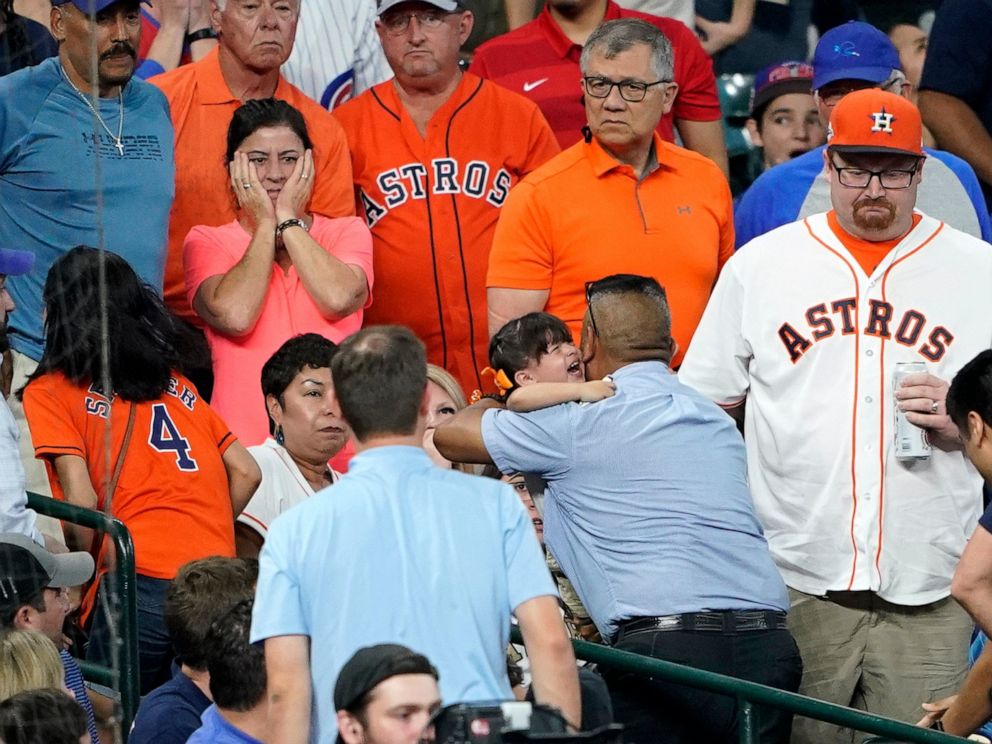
(443, 379)
(28, 661)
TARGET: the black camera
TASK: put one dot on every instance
(513, 721)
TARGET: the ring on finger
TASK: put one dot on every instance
(934, 406)
(246, 184)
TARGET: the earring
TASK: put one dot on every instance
(280, 439)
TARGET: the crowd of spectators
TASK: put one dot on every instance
(383, 332)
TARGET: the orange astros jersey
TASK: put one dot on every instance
(432, 204)
(172, 494)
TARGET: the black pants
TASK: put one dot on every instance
(657, 712)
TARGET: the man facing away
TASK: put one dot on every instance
(445, 559)
(647, 510)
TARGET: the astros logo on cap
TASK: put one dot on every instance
(883, 121)
(894, 127)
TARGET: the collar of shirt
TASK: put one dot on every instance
(561, 44)
(602, 162)
(392, 452)
(215, 90)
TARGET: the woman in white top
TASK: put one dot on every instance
(305, 434)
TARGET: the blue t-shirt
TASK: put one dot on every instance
(407, 553)
(959, 59)
(63, 183)
(169, 713)
(74, 681)
(215, 730)
(647, 507)
(798, 188)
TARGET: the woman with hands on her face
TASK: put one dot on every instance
(277, 270)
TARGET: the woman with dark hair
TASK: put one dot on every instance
(122, 430)
(306, 434)
(23, 42)
(276, 270)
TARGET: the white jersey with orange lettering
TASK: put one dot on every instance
(797, 329)
(337, 53)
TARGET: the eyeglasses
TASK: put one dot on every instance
(890, 178)
(397, 23)
(831, 93)
(631, 91)
(590, 286)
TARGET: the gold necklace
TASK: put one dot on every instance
(118, 141)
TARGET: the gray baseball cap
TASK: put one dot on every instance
(449, 6)
(26, 568)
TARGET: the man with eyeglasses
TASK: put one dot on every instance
(621, 200)
(852, 57)
(435, 151)
(541, 60)
(34, 595)
(647, 510)
(801, 342)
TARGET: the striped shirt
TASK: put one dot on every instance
(74, 681)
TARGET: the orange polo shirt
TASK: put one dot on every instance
(583, 215)
(202, 105)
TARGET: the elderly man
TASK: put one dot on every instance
(665, 551)
(541, 60)
(435, 152)
(256, 37)
(412, 523)
(85, 157)
(623, 200)
(811, 327)
(851, 57)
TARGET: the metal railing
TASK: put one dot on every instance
(751, 696)
(126, 678)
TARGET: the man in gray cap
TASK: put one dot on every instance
(850, 57)
(377, 683)
(34, 595)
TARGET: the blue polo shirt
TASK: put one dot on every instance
(169, 713)
(63, 183)
(401, 551)
(216, 730)
(647, 507)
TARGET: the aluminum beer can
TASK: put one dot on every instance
(911, 441)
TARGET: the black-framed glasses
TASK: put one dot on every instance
(398, 22)
(890, 178)
(631, 91)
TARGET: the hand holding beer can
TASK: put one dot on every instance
(911, 441)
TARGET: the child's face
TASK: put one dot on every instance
(516, 480)
(561, 363)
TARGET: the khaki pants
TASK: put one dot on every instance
(861, 651)
(35, 475)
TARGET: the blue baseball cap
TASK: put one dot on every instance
(14, 262)
(854, 51)
(93, 6)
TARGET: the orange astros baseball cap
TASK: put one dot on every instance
(874, 120)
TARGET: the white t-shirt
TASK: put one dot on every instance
(283, 486)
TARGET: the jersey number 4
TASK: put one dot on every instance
(165, 437)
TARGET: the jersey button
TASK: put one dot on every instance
(869, 352)
(868, 399)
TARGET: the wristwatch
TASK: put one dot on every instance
(286, 224)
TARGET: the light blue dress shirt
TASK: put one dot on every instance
(647, 507)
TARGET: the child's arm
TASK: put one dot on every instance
(546, 394)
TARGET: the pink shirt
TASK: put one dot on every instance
(286, 312)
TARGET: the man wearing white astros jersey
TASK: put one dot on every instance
(435, 152)
(800, 340)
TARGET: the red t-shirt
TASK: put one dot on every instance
(540, 62)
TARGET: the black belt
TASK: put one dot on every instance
(726, 621)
